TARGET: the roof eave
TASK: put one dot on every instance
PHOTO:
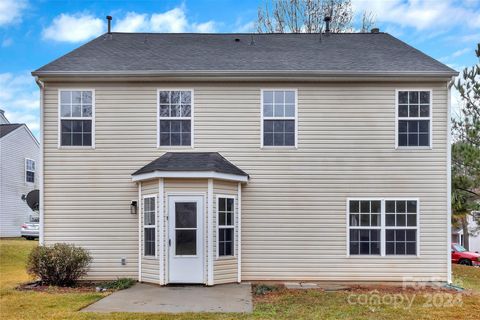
(247, 73)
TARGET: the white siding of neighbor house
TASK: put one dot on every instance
(294, 206)
(14, 148)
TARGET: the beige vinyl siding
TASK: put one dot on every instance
(225, 269)
(150, 264)
(293, 208)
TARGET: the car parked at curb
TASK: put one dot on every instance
(460, 255)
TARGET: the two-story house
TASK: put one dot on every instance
(216, 158)
(19, 160)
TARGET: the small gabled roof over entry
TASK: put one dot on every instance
(191, 165)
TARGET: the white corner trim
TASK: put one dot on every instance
(449, 187)
(139, 212)
(160, 231)
(41, 236)
(189, 174)
(210, 233)
(239, 233)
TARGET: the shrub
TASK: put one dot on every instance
(119, 284)
(61, 264)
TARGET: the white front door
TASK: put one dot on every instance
(185, 218)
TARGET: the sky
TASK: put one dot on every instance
(35, 32)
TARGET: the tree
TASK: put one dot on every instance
(307, 16)
(466, 149)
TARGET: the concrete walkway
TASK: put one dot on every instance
(175, 299)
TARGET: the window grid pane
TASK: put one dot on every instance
(414, 118)
(401, 224)
(74, 105)
(177, 106)
(149, 226)
(226, 223)
(279, 108)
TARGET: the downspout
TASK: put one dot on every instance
(41, 86)
(449, 182)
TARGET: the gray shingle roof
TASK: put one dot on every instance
(7, 128)
(192, 161)
(342, 53)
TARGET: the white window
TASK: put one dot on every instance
(279, 113)
(76, 114)
(414, 117)
(226, 226)
(149, 225)
(175, 110)
(29, 171)
(383, 226)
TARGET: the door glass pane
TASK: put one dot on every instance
(186, 242)
(185, 215)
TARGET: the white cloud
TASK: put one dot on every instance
(11, 11)
(174, 20)
(246, 27)
(421, 14)
(74, 27)
(19, 97)
(461, 52)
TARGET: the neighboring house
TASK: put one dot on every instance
(19, 161)
(474, 237)
(249, 156)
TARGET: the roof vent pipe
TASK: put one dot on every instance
(327, 20)
(375, 30)
(109, 22)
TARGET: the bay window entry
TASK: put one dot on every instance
(279, 117)
(414, 117)
(149, 225)
(175, 111)
(226, 226)
(76, 114)
(382, 226)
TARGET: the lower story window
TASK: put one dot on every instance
(383, 227)
(226, 226)
(149, 225)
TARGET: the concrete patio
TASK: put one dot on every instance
(176, 299)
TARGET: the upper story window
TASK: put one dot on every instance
(279, 113)
(175, 110)
(76, 118)
(29, 171)
(226, 226)
(414, 116)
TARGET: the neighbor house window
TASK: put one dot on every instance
(29, 170)
(279, 111)
(175, 117)
(414, 118)
(76, 117)
(383, 227)
(401, 226)
(149, 225)
(226, 226)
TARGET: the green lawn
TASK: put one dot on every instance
(310, 304)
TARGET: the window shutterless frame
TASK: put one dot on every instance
(262, 118)
(383, 228)
(191, 118)
(27, 169)
(92, 118)
(233, 227)
(154, 226)
(430, 118)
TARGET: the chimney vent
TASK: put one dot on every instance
(109, 21)
(327, 20)
(375, 30)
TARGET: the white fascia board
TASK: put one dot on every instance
(189, 174)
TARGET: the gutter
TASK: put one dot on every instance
(41, 86)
